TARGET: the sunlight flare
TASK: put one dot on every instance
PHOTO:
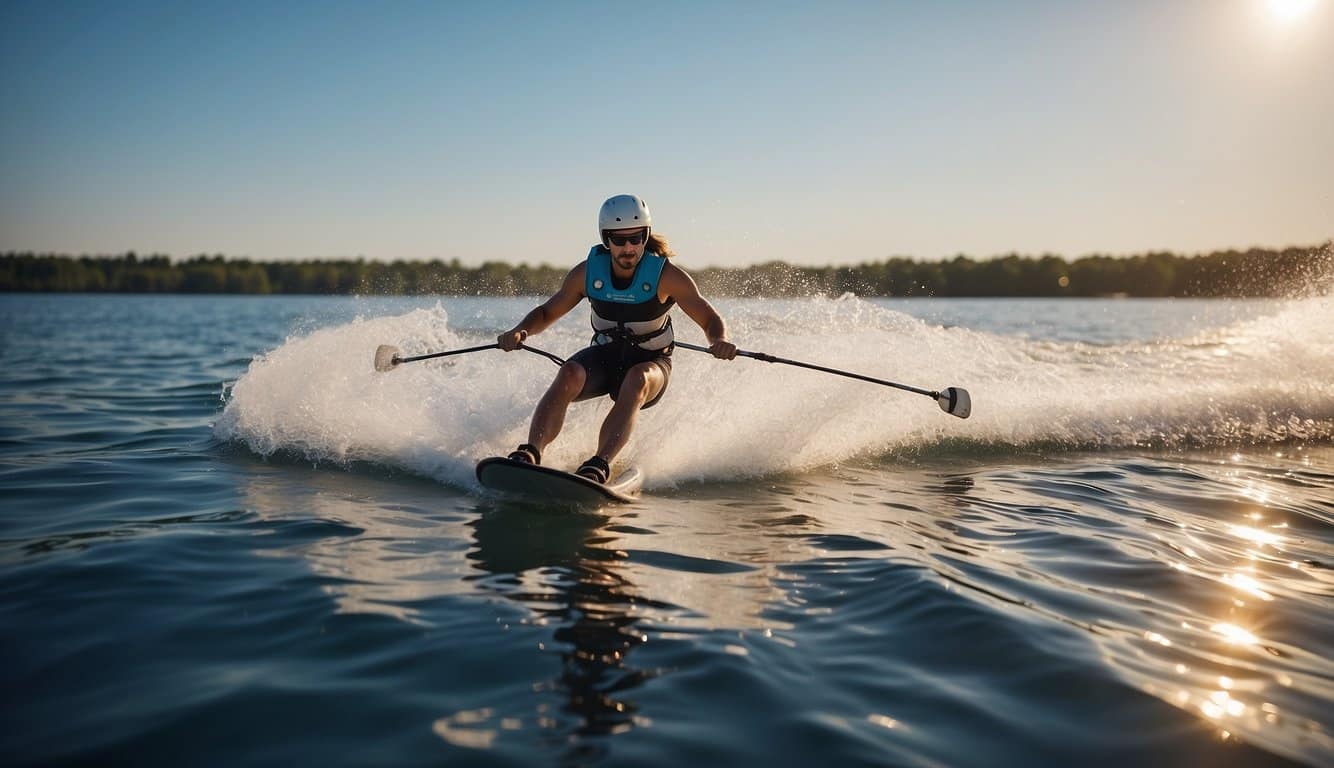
(1290, 10)
(1246, 583)
(1235, 634)
(1255, 535)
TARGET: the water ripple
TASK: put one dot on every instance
(879, 590)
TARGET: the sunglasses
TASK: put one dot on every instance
(634, 239)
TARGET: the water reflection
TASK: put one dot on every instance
(385, 553)
(558, 566)
(605, 586)
(1067, 546)
(395, 552)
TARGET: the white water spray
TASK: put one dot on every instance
(1262, 380)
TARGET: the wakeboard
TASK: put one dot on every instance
(535, 482)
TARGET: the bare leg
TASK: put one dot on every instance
(642, 383)
(549, 416)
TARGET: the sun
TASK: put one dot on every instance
(1290, 10)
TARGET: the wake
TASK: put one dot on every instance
(1261, 381)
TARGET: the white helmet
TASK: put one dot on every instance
(623, 212)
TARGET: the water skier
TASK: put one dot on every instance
(631, 284)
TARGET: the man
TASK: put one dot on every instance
(632, 285)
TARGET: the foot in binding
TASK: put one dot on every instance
(527, 453)
(595, 469)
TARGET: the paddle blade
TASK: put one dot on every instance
(386, 357)
(955, 401)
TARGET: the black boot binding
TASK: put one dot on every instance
(527, 453)
(595, 469)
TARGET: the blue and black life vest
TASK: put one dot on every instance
(629, 312)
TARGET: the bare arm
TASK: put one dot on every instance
(680, 286)
(570, 293)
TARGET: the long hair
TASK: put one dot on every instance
(658, 244)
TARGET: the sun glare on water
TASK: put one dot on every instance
(1290, 10)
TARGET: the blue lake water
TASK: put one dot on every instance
(227, 540)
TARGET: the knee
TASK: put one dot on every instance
(635, 387)
(570, 380)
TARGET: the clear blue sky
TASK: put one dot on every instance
(808, 132)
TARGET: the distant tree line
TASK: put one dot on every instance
(1251, 273)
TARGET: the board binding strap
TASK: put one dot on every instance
(544, 484)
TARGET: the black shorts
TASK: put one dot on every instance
(607, 364)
